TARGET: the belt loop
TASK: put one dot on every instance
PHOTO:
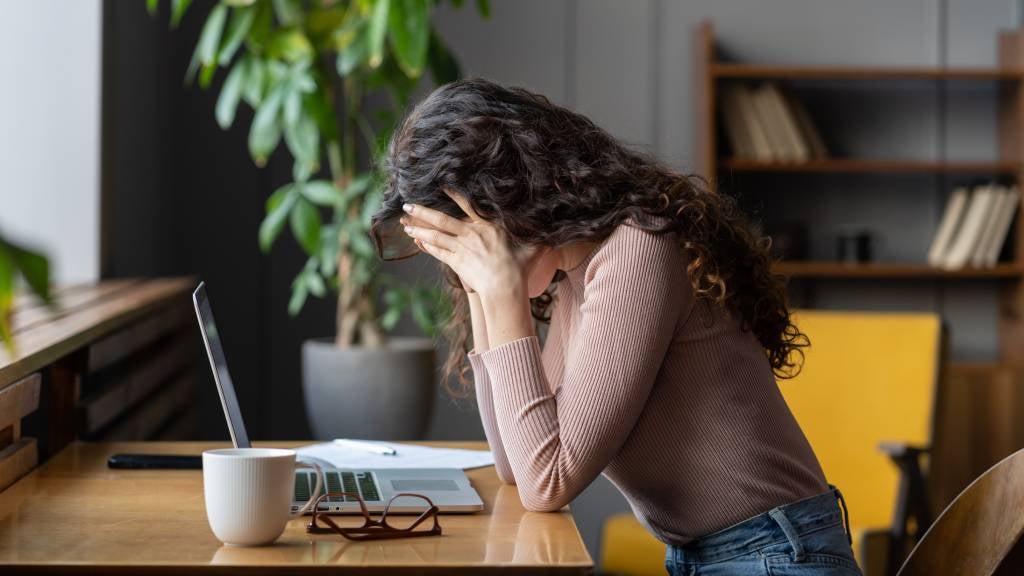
(846, 512)
(794, 539)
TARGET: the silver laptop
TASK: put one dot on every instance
(448, 488)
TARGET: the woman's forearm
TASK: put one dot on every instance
(476, 316)
(508, 316)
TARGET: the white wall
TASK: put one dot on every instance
(50, 54)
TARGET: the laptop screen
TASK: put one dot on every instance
(219, 365)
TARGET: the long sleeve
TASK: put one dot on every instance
(557, 443)
(485, 404)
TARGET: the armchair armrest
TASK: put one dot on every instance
(902, 450)
(911, 500)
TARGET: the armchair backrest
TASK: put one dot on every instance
(867, 378)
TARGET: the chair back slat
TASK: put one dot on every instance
(978, 529)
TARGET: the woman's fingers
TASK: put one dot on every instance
(432, 236)
(436, 251)
(438, 220)
(463, 203)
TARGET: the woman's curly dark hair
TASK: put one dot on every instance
(550, 176)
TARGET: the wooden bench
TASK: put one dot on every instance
(114, 360)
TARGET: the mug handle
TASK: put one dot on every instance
(301, 461)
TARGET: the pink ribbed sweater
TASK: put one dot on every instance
(659, 391)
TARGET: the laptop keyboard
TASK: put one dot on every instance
(361, 483)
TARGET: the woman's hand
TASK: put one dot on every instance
(478, 251)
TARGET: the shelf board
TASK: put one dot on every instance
(768, 71)
(869, 165)
(824, 269)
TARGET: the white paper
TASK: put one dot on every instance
(408, 456)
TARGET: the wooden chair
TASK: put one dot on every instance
(979, 529)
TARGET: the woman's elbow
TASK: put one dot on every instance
(535, 503)
(504, 473)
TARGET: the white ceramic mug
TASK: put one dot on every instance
(249, 493)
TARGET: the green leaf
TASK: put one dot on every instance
(279, 206)
(305, 221)
(178, 9)
(390, 76)
(443, 65)
(322, 20)
(351, 57)
(375, 33)
(299, 294)
(358, 185)
(300, 172)
(6, 297)
(252, 88)
(262, 24)
(361, 245)
(484, 8)
(34, 268)
(315, 283)
(322, 192)
(209, 38)
(265, 131)
(290, 45)
(206, 73)
(289, 12)
(303, 140)
(393, 297)
(421, 313)
(329, 250)
(390, 319)
(230, 94)
(292, 107)
(458, 3)
(371, 202)
(152, 6)
(409, 27)
(241, 21)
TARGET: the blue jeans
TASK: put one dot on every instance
(803, 538)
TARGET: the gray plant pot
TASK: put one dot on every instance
(376, 393)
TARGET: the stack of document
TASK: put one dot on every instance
(368, 454)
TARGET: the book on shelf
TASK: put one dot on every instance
(768, 124)
(974, 226)
(951, 218)
(751, 126)
(808, 131)
(1001, 224)
(980, 255)
(736, 129)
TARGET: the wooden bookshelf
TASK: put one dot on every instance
(779, 72)
(875, 270)
(851, 165)
(712, 74)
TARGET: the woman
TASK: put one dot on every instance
(667, 329)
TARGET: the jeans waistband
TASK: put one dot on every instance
(778, 525)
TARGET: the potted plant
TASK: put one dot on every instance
(306, 68)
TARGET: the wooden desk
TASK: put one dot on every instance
(74, 515)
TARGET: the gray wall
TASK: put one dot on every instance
(628, 65)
